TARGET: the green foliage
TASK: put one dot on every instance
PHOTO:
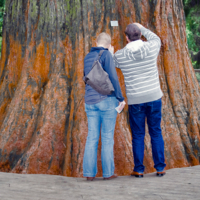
(192, 14)
(193, 28)
(2, 3)
(198, 77)
(2, 9)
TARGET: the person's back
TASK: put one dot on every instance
(101, 113)
(138, 63)
(91, 95)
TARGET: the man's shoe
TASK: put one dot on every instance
(111, 177)
(90, 178)
(137, 174)
(161, 173)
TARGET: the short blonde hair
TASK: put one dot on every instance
(104, 39)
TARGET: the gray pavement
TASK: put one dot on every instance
(182, 183)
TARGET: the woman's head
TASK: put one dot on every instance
(104, 40)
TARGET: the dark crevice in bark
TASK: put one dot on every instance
(36, 132)
(82, 26)
(137, 10)
(7, 56)
(185, 146)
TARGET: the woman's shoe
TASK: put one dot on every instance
(111, 177)
(90, 178)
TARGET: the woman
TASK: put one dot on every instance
(101, 113)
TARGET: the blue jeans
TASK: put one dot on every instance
(101, 116)
(137, 115)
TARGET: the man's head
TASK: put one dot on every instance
(132, 32)
(103, 40)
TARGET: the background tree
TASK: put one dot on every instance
(43, 125)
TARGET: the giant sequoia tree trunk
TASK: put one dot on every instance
(42, 119)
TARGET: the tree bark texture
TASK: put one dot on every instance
(43, 125)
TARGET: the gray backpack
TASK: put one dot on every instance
(98, 79)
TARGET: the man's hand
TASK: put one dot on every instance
(139, 25)
(111, 49)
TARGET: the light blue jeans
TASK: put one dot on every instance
(101, 116)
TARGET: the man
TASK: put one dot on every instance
(138, 63)
(101, 113)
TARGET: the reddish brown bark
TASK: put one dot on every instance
(42, 119)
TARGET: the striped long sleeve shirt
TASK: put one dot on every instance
(138, 63)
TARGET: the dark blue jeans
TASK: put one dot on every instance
(137, 115)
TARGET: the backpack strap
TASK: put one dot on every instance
(100, 54)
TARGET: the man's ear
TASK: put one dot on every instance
(127, 39)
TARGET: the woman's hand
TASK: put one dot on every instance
(120, 107)
(111, 49)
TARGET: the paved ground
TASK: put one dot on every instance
(178, 184)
